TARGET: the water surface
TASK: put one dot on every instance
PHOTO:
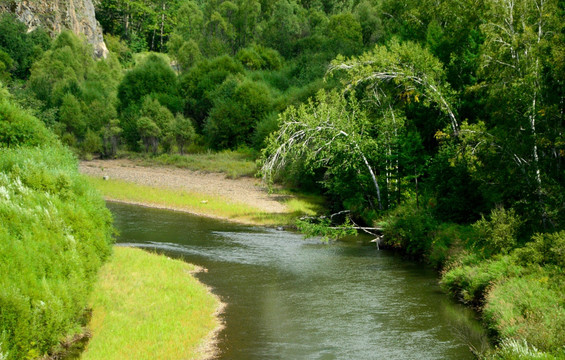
(290, 298)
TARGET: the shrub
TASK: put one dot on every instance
(544, 249)
(55, 232)
(239, 104)
(184, 132)
(153, 76)
(260, 58)
(54, 235)
(92, 143)
(264, 127)
(499, 233)
(18, 128)
(199, 83)
(410, 228)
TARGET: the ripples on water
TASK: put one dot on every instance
(290, 298)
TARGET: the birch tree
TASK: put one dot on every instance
(391, 77)
(329, 131)
(517, 34)
(399, 70)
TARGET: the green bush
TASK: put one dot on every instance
(92, 143)
(153, 76)
(260, 58)
(410, 228)
(54, 235)
(239, 104)
(6, 64)
(200, 82)
(499, 233)
(55, 232)
(22, 47)
(448, 240)
(544, 249)
(18, 128)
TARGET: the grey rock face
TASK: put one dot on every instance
(56, 15)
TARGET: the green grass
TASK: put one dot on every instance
(148, 306)
(234, 164)
(203, 204)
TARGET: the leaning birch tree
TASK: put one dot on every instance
(330, 131)
(391, 76)
(398, 69)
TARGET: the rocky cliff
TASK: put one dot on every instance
(56, 15)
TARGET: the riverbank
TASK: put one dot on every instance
(243, 200)
(148, 306)
(518, 288)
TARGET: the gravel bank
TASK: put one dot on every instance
(244, 190)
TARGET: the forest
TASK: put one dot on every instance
(442, 122)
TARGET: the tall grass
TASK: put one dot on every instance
(55, 233)
(150, 307)
(519, 290)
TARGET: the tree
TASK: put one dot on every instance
(285, 26)
(409, 69)
(6, 64)
(368, 15)
(22, 47)
(144, 24)
(183, 131)
(153, 76)
(149, 132)
(519, 36)
(239, 104)
(330, 131)
(70, 114)
(394, 79)
(163, 119)
(61, 69)
(345, 34)
(199, 83)
(111, 137)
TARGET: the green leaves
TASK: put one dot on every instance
(330, 132)
(399, 69)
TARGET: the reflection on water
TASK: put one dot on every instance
(290, 298)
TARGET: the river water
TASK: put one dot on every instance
(290, 298)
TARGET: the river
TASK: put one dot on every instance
(290, 298)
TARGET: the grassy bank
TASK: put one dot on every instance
(148, 306)
(516, 284)
(204, 204)
(55, 233)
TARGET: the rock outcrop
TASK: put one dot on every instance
(57, 15)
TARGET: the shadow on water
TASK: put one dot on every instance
(290, 298)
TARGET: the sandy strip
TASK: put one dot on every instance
(243, 190)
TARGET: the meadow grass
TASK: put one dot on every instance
(234, 164)
(148, 306)
(208, 205)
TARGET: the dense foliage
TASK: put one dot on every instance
(443, 120)
(55, 233)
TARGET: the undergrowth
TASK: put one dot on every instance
(55, 232)
(518, 287)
